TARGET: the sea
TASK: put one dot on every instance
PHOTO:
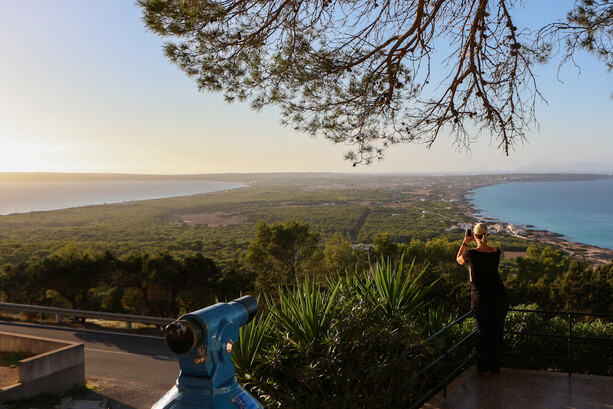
(582, 211)
(29, 196)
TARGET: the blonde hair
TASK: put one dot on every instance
(480, 229)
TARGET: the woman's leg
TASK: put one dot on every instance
(496, 336)
(483, 317)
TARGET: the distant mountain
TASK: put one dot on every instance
(576, 167)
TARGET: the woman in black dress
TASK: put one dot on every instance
(489, 299)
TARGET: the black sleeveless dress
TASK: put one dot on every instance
(486, 287)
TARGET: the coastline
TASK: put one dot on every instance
(598, 255)
(42, 196)
(451, 188)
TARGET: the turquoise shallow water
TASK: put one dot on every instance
(23, 197)
(580, 210)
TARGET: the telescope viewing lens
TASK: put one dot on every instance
(182, 336)
(177, 329)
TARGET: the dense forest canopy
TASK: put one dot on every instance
(359, 72)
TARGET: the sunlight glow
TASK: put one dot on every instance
(18, 155)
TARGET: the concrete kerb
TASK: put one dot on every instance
(56, 366)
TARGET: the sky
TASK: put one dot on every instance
(84, 87)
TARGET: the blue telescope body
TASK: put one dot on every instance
(204, 340)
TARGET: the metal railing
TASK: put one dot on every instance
(65, 312)
(567, 347)
(437, 371)
(439, 363)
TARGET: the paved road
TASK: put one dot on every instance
(127, 357)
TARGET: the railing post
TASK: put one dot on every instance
(570, 343)
(398, 357)
(445, 347)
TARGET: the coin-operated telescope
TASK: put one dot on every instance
(204, 340)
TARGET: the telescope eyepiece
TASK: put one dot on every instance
(183, 335)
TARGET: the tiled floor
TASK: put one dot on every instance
(525, 389)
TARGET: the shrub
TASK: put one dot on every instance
(598, 352)
(336, 346)
(526, 347)
(592, 342)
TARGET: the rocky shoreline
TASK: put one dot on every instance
(596, 254)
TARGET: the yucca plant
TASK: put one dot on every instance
(385, 287)
(436, 318)
(254, 339)
(304, 313)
